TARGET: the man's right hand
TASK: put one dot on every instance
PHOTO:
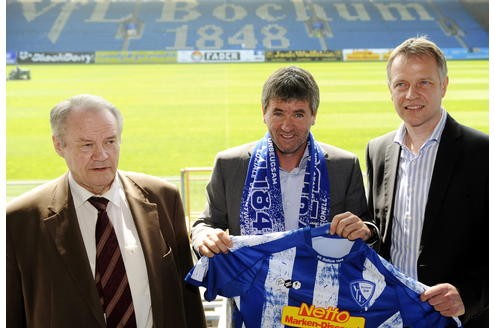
(215, 242)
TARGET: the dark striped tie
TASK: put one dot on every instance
(111, 279)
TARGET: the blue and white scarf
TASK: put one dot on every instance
(261, 205)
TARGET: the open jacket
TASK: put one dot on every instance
(49, 279)
(455, 229)
(224, 191)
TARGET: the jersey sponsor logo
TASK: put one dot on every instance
(287, 283)
(312, 316)
(362, 291)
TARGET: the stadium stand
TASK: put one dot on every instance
(121, 25)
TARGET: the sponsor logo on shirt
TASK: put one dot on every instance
(287, 283)
(312, 316)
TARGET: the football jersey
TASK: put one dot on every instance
(309, 278)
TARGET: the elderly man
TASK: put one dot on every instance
(98, 247)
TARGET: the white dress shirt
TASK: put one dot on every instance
(120, 216)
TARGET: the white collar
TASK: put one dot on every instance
(80, 194)
(435, 135)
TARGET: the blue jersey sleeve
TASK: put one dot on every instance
(228, 274)
(414, 312)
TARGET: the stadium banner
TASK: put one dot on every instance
(303, 55)
(136, 57)
(366, 54)
(220, 56)
(35, 57)
(10, 58)
(463, 53)
(383, 54)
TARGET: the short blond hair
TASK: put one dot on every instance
(418, 47)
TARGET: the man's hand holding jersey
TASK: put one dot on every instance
(346, 225)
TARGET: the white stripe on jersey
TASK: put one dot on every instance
(371, 273)
(281, 265)
(326, 288)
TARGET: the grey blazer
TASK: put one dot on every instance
(224, 190)
(49, 279)
(455, 230)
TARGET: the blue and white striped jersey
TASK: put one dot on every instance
(308, 278)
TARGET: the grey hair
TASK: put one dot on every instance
(291, 83)
(419, 46)
(59, 113)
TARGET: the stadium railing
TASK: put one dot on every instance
(193, 181)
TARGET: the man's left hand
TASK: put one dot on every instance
(445, 298)
(349, 226)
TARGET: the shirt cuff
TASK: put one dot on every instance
(375, 233)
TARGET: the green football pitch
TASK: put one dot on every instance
(180, 115)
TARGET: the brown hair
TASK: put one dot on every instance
(291, 83)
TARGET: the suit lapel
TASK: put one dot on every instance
(389, 177)
(147, 223)
(64, 230)
(447, 155)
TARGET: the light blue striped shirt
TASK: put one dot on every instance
(413, 184)
(291, 184)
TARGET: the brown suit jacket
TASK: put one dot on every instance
(49, 279)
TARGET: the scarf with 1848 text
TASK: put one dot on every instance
(261, 203)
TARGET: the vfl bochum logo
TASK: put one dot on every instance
(362, 291)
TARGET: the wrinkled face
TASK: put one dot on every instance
(90, 147)
(417, 90)
(289, 123)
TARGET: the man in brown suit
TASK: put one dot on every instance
(51, 233)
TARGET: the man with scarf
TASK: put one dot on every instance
(286, 180)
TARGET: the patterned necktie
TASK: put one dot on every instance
(111, 279)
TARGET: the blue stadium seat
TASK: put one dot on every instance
(55, 26)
